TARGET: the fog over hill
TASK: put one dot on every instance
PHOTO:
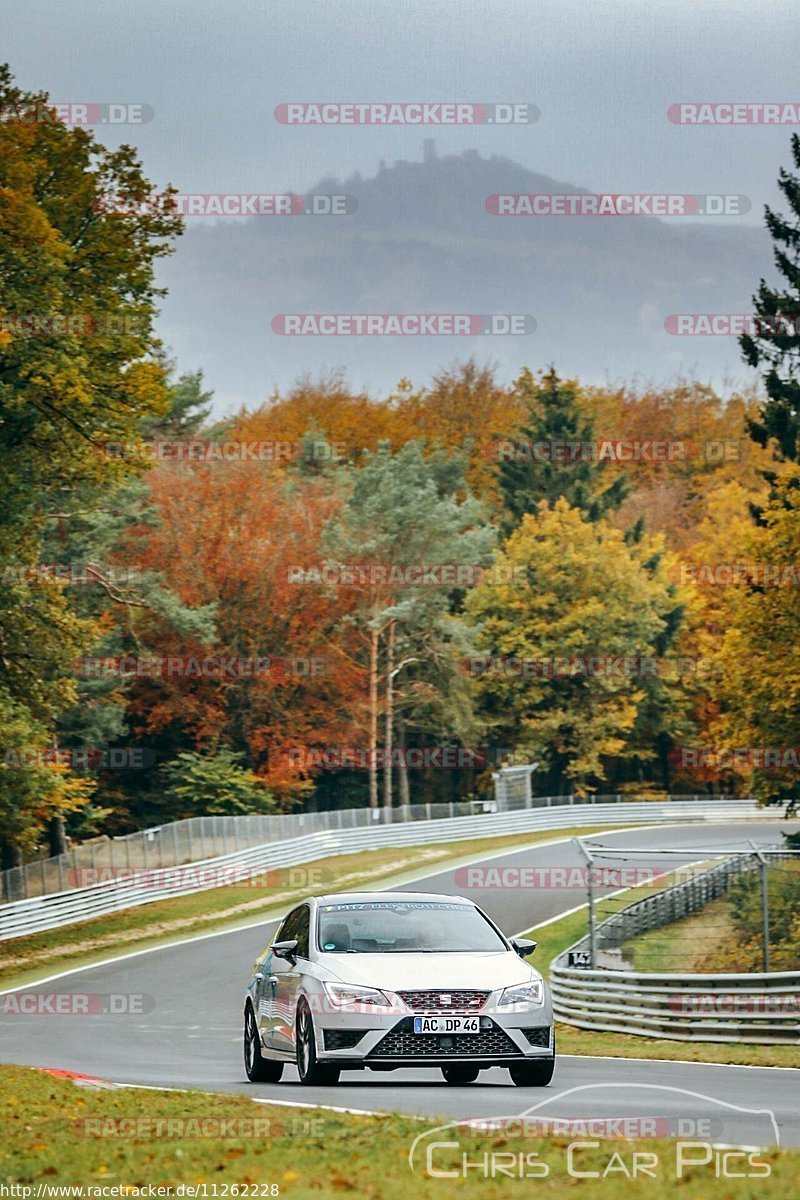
(422, 241)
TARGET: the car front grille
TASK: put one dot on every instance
(440, 1000)
(402, 1042)
(538, 1036)
(342, 1039)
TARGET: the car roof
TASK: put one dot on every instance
(400, 897)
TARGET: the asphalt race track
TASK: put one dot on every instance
(192, 1032)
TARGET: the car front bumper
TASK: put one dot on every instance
(388, 1040)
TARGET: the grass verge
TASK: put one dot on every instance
(130, 1139)
(23, 960)
(685, 945)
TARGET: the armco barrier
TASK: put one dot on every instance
(760, 1007)
(196, 839)
(144, 887)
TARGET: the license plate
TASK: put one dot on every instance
(447, 1024)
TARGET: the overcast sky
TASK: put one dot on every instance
(602, 73)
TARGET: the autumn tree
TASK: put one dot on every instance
(463, 412)
(578, 593)
(229, 539)
(77, 370)
(759, 658)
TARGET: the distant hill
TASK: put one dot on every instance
(422, 241)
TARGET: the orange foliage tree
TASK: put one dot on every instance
(228, 536)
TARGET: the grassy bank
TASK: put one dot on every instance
(132, 1138)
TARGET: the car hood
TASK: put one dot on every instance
(413, 972)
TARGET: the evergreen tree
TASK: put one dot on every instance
(405, 510)
(189, 409)
(774, 347)
(553, 455)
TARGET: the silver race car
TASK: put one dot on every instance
(383, 980)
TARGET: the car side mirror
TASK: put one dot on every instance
(523, 946)
(286, 950)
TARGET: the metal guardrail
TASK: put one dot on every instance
(199, 838)
(761, 1007)
(130, 889)
(758, 1008)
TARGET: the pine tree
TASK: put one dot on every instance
(535, 467)
(774, 347)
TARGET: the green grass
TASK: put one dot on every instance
(554, 938)
(53, 1129)
(24, 959)
(685, 945)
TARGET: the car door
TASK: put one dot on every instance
(288, 977)
(266, 982)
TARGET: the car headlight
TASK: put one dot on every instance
(524, 993)
(354, 993)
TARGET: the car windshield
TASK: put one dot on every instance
(405, 927)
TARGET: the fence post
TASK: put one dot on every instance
(762, 862)
(590, 901)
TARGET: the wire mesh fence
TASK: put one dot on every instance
(619, 922)
(199, 838)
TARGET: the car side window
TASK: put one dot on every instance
(283, 934)
(296, 928)
(302, 931)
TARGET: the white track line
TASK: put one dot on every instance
(680, 1062)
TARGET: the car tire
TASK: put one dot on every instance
(533, 1074)
(457, 1073)
(311, 1072)
(258, 1068)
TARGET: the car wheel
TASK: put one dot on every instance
(456, 1073)
(258, 1068)
(533, 1074)
(311, 1072)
